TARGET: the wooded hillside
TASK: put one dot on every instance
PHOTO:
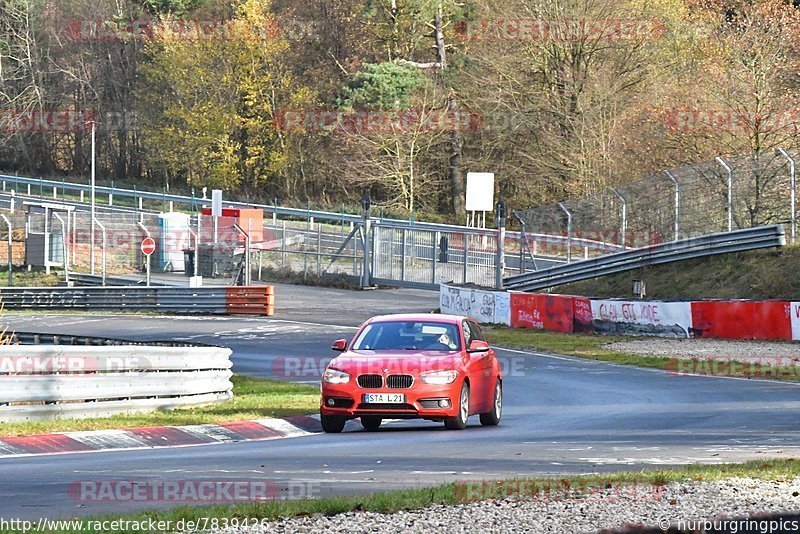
(320, 100)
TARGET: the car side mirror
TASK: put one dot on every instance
(478, 346)
(340, 345)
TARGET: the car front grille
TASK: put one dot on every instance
(399, 381)
(370, 381)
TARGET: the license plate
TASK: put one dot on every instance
(384, 398)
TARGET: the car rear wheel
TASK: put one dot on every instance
(371, 423)
(332, 424)
(459, 422)
(493, 418)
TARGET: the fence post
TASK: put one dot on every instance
(307, 238)
(365, 274)
(730, 190)
(103, 229)
(793, 213)
(434, 254)
(624, 227)
(466, 256)
(10, 247)
(569, 231)
(319, 249)
(64, 244)
(677, 202)
(500, 260)
(283, 245)
(404, 235)
(246, 258)
(197, 239)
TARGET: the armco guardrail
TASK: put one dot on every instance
(251, 300)
(38, 338)
(59, 381)
(697, 247)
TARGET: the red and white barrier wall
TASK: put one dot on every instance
(731, 319)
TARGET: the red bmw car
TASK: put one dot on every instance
(421, 366)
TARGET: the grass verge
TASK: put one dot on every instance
(254, 398)
(573, 487)
(594, 347)
(589, 346)
(30, 279)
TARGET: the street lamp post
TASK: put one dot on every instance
(91, 250)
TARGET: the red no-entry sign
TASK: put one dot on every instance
(148, 246)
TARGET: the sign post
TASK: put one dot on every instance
(148, 247)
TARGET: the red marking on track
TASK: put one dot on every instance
(165, 436)
(47, 443)
(251, 430)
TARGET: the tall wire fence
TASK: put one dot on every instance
(713, 196)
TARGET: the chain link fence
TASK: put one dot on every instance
(714, 196)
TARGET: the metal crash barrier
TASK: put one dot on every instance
(72, 381)
(250, 300)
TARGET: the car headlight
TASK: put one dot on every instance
(439, 377)
(332, 376)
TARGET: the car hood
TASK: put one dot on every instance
(397, 362)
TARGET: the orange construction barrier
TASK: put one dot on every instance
(250, 300)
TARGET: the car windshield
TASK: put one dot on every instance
(408, 335)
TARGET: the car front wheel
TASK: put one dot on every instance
(371, 423)
(459, 422)
(332, 424)
(492, 418)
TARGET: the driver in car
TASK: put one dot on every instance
(444, 339)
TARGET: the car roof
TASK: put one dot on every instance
(431, 317)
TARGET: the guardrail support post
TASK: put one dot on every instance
(10, 247)
(793, 213)
(730, 190)
(624, 227)
(569, 231)
(677, 202)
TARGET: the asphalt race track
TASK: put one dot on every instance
(561, 415)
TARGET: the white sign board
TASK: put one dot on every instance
(480, 191)
(216, 203)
